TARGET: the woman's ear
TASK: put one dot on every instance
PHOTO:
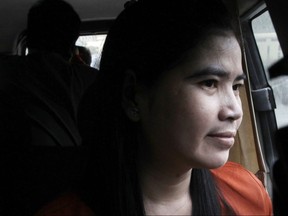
(129, 92)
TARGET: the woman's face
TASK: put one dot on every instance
(191, 117)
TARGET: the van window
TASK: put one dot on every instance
(270, 52)
(95, 44)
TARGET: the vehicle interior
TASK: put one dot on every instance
(261, 138)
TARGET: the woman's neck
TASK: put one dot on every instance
(164, 192)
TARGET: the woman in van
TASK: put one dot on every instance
(162, 117)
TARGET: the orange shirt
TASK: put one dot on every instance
(242, 190)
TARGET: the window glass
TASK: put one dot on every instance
(270, 52)
(95, 44)
(267, 41)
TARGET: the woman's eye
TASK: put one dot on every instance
(236, 87)
(209, 83)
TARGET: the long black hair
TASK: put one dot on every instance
(148, 37)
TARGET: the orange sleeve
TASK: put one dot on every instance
(66, 205)
(243, 190)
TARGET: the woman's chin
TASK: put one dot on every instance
(217, 162)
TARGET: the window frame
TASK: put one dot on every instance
(265, 120)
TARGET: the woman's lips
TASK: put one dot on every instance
(224, 140)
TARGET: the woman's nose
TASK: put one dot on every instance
(231, 107)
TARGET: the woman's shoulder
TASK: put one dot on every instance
(232, 170)
(242, 190)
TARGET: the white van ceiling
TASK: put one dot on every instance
(13, 15)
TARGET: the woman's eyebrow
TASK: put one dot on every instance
(241, 77)
(214, 72)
